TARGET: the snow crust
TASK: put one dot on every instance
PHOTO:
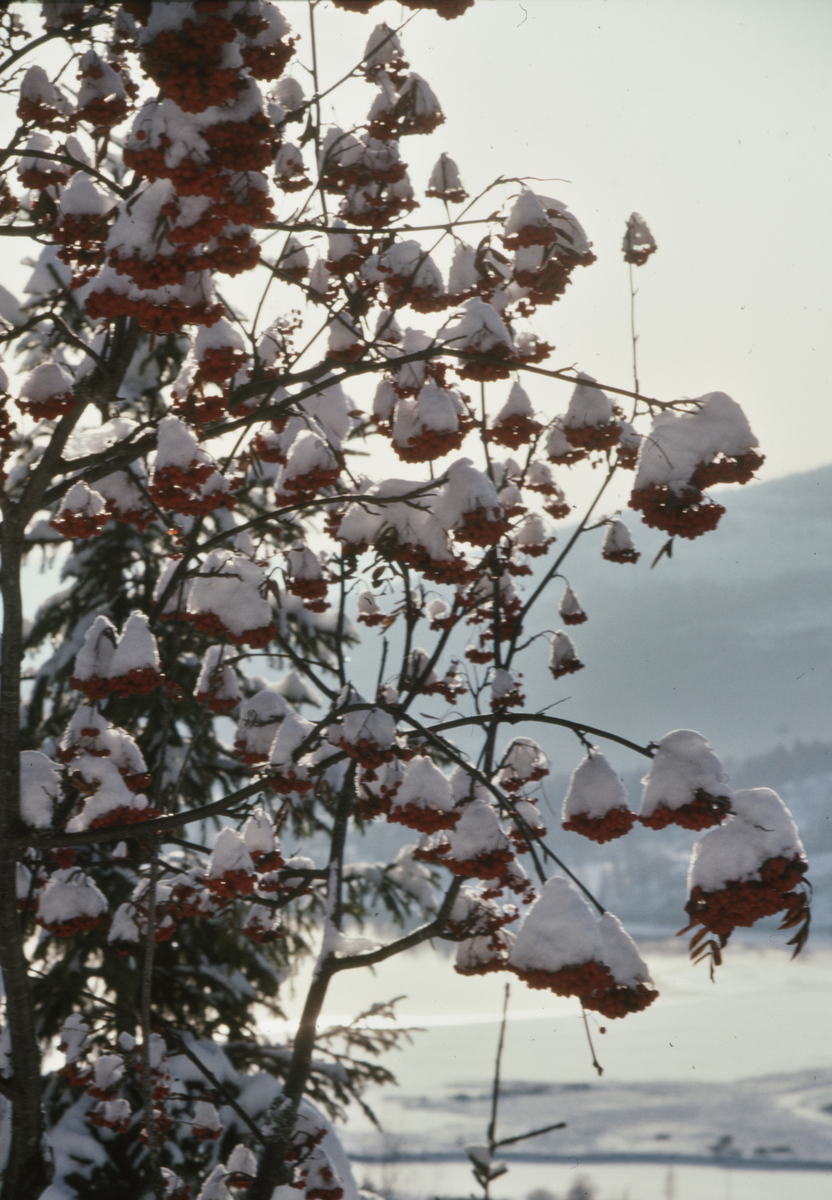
(526, 212)
(424, 785)
(466, 489)
(618, 539)
(480, 329)
(46, 381)
(620, 953)
(40, 784)
(478, 831)
(70, 894)
(678, 443)
(588, 405)
(684, 763)
(230, 854)
(762, 828)
(293, 731)
(559, 930)
(136, 649)
(594, 788)
(96, 655)
(228, 585)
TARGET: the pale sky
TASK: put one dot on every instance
(713, 118)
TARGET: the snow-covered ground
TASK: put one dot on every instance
(620, 1181)
(710, 1078)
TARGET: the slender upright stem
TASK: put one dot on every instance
(495, 1091)
(633, 334)
(595, 1061)
(314, 45)
(157, 1182)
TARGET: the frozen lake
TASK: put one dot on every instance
(713, 1076)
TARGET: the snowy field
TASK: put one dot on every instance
(441, 1181)
(712, 1077)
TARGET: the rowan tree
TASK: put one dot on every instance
(182, 727)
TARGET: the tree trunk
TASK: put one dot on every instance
(26, 1172)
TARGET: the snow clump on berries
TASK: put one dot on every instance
(596, 803)
(686, 784)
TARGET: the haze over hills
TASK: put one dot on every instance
(732, 636)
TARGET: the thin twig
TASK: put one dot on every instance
(156, 1179)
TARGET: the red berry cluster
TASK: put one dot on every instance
(426, 818)
(375, 802)
(162, 315)
(49, 408)
(498, 948)
(566, 459)
(9, 203)
(481, 528)
(286, 780)
(618, 1000)
(592, 437)
(557, 509)
(181, 490)
(217, 704)
(566, 666)
(738, 468)
(307, 486)
(45, 116)
(269, 62)
(615, 823)
(38, 178)
(290, 171)
(80, 524)
(95, 687)
(219, 363)
(72, 927)
(128, 815)
(347, 355)
(376, 205)
(430, 444)
(703, 812)
(311, 591)
(584, 979)
(530, 235)
(185, 64)
(487, 372)
(548, 282)
(682, 514)
(240, 145)
(627, 457)
(744, 903)
(138, 682)
(82, 239)
(199, 406)
(514, 431)
(622, 556)
(213, 626)
(231, 884)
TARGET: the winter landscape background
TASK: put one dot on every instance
(718, 1090)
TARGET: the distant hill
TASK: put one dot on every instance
(732, 636)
